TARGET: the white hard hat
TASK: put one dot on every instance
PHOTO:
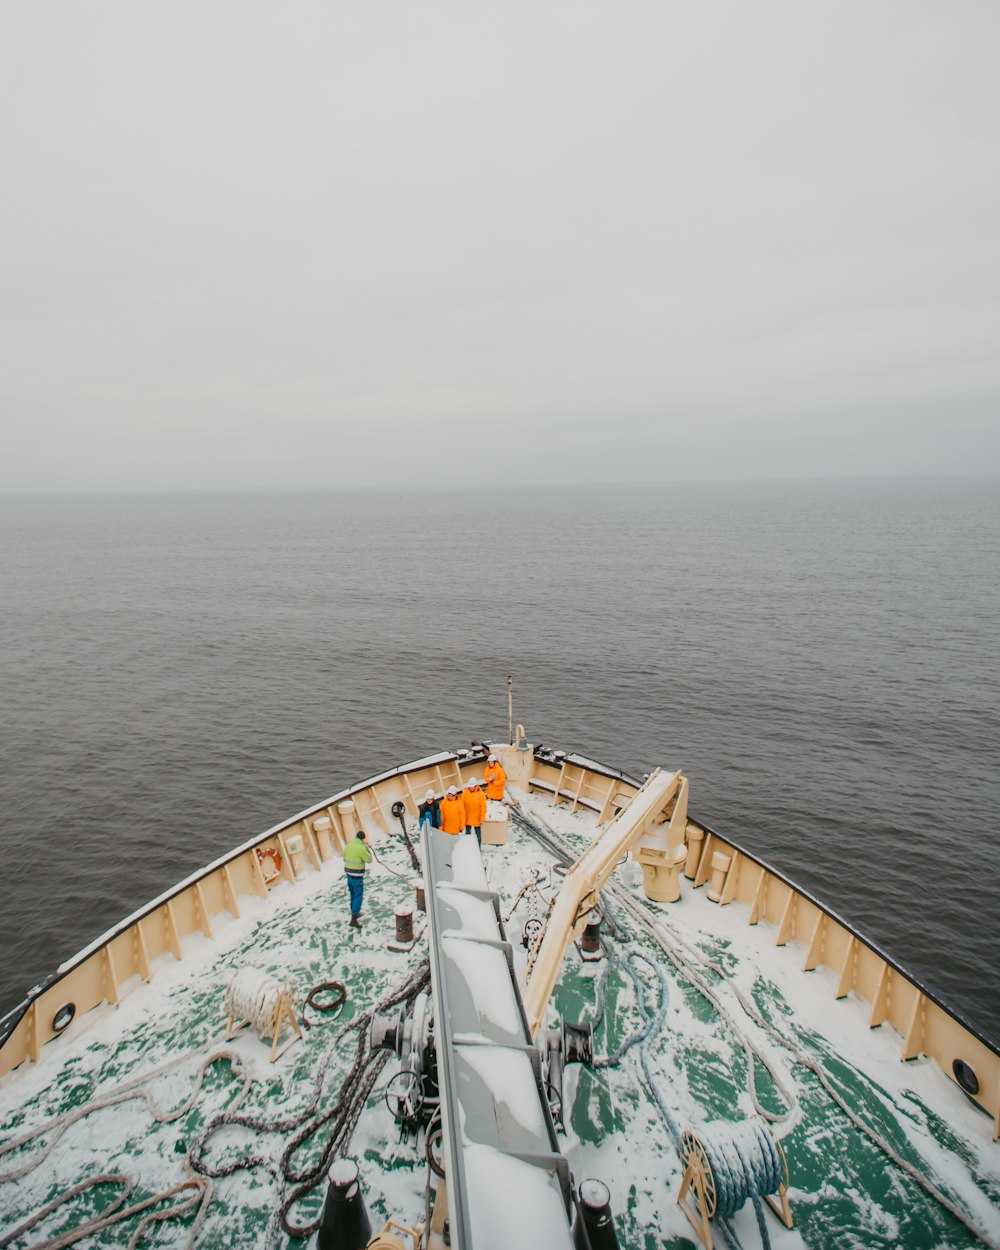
(473, 781)
(428, 795)
(492, 759)
(452, 790)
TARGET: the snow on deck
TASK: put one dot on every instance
(513, 1204)
(493, 1104)
(482, 983)
(844, 1193)
(166, 1029)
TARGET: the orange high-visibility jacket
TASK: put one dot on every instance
(475, 806)
(496, 779)
(452, 814)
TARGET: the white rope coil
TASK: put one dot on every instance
(253, 995)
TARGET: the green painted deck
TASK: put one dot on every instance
(844, 1192)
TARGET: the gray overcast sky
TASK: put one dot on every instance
(279, 244)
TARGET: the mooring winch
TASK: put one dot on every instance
(412, 1094)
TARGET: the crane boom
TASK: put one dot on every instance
(590, 874)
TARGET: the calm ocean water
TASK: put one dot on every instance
(181, 671)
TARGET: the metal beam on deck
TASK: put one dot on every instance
(508, 1183)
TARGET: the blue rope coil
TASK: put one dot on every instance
(745, 1164)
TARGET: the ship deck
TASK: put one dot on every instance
(738, 1015)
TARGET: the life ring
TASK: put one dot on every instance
(274, 855)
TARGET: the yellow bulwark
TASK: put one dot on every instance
(117, 963)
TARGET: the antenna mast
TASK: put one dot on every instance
(510, 709)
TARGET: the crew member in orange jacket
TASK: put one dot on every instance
(475, 808)
(495, 778)
(452, 812)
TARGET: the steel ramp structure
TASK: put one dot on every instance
(507, 1181)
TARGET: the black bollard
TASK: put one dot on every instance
(345, 1224)
(404, 925)
(591, 941)
(594, 1228)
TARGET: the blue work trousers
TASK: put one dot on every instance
(356, 889)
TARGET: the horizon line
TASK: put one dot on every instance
(486, 487)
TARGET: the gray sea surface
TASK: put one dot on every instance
(181, 671)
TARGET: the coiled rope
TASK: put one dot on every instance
(745, 1164)
(331, 1007)
(253, 995)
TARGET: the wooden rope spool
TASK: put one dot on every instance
(256, 1000)
(699, 1180)
(712, 1187)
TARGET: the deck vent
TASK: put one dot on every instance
(67, 1011)
(965, 1074)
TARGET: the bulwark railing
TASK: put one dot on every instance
(122, 958)
(926, 1025)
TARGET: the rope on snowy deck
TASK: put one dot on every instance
(355, 1090)
(687, 960)
(652, 1025)
(742, 1159)
(293, 1182)
(687, 963)
(114, 1213)
(136, 1088)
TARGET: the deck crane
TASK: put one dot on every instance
(652, 827)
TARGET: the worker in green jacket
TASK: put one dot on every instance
(356, 856)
